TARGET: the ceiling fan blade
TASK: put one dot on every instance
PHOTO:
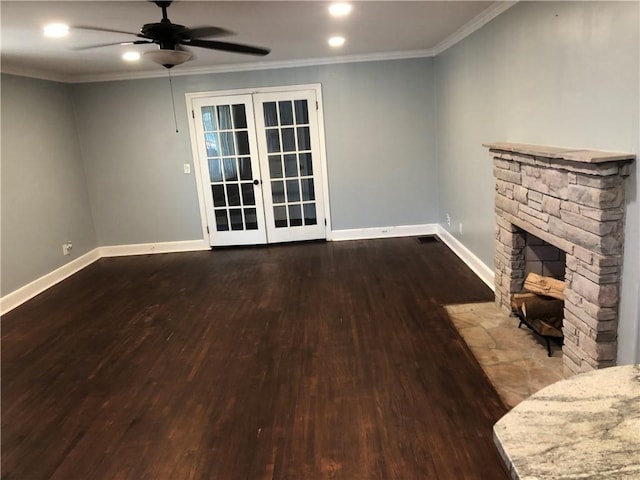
(89, 47)
(227, 47)
(206, 31)
(99, 29)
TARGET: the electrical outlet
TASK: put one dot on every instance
(187, 168)
(448, 220)
(66, 248)
(460, 228)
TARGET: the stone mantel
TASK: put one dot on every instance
(573, 199)
(560, 153)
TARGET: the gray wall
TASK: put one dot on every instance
(379, 125)
(44, 193)
(549, 73)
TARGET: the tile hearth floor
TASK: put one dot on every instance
(513, 358)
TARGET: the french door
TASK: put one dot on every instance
(261, 177)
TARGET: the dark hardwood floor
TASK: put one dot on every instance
(311, 361)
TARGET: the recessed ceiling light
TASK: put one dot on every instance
(336, 41)
(339, 9)
(56, 30)
(131, 56)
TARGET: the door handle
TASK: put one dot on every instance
(256, 182)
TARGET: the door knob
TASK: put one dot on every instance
(256, 181)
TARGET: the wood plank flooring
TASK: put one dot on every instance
(309, 361)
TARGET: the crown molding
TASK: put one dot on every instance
(254, 66)
(33, 73)
(476, 23)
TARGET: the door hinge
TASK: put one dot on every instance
(325, 222)
(193, 115)
(316, 105)
(208, 230)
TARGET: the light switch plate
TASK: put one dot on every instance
(187, 168)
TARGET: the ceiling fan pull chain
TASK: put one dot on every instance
(173, 101)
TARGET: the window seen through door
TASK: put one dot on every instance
(290, 163)
(230, 174)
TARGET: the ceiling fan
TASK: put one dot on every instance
(171, 37)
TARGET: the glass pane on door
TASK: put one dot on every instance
(288, 142)
(230, 174)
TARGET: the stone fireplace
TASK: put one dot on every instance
(572, 200)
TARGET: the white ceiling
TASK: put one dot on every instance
(295, 31)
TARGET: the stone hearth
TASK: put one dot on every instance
(573, 200)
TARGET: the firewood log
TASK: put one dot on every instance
(548, 286)
(518, 298)
(543, 308)
(543, 328)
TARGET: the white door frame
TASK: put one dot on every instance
(324, 177)
(245, 236)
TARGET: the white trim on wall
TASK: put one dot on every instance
(468, 257)
(323, 161)
(255, 66)
(30, 290)
(22, 71)
(152, 248)
(484, 272)
(382, 232)
(472, 25)
(27, 292)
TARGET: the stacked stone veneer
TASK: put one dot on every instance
(573, 200)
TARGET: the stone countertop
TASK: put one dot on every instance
(585, 427)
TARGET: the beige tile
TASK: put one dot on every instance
(478, 337)
(464, 319)
(513, 376)
(495, 355)
(514, 359)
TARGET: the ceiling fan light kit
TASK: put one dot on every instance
(168, 58)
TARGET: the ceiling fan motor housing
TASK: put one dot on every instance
(165, 34)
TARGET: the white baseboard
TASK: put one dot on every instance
(383, 232)
(30, 290)
(467, 256)
(151, 248)
(22, 294)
